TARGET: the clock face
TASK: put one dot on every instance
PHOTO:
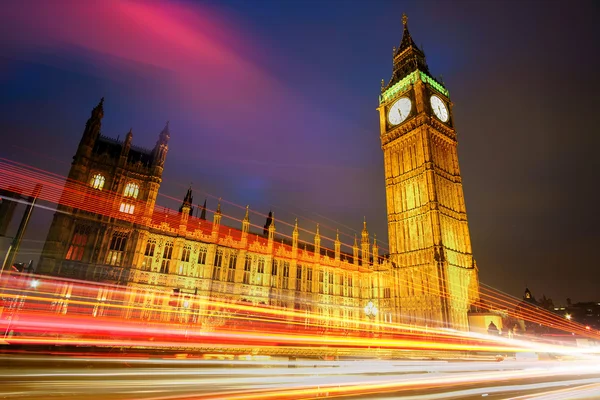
(439, 108)
(399, 111)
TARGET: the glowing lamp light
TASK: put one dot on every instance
(568, 316)
(34, 283)
(371, 309)
(588, 328)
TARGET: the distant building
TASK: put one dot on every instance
(585, 313)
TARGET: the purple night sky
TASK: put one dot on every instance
(272, 104)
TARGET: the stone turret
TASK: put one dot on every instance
(364, 244)
(317, 243)
(295, 238)
(216, 221)
(246, 222)
(375, 251)
(337, 245)
(271, 231)
(161, 148)
(185, 211)
(355, 251)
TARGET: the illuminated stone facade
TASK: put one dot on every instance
(109, 228)
(429, 242)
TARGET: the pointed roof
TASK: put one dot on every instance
(187, 201)
(407, 40)
(98, 111)
(165, 134)
(203, 212)
(272, 224)
(188, 196)
(408, 58)
(268, 223)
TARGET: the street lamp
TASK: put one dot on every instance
(568, 316)
(371, 310)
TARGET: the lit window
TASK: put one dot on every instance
(148, 254)
(231, 269)
(166, 259)
(260, 270)
(274, 273)
(185, 256)
(97, 181)
(217, 265)
(299, 277)
(247, 267)
(132, 190)
(117, 248)
(78, 243)
(202, 256)
(127, 208)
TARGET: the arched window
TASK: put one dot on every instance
(97, 181)
(132, 190)
(78, 243)
(166, 259)
(148, 254)
(116, 248)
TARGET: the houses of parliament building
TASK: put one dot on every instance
(108, 228)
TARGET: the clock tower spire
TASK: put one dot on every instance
(407, 57)
(430, 246)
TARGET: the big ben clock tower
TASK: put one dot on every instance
(430, 247)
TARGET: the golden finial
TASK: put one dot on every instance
(337, 235)
(219, 206)
(247, 216)
(404, 19)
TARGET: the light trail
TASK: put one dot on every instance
(127, 378)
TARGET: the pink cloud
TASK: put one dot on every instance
(192, 44)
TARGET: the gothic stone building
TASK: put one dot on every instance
(108, 227)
